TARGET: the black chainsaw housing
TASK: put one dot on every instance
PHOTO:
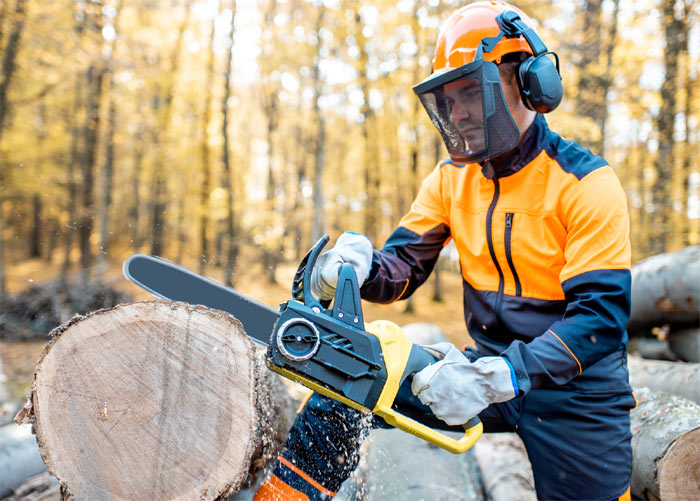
(329, 346)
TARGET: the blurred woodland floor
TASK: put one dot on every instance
(19, 357)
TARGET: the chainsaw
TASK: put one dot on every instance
(329, 350)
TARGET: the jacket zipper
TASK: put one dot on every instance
(509, 255)
(489, 239)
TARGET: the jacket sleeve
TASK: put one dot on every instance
(596, 281)
(410, 253)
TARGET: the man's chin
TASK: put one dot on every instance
(475, 146)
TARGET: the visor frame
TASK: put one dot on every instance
(434, 81)
(487, 73)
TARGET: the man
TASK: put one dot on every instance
(541, 227)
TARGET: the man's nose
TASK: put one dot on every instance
(459, 111)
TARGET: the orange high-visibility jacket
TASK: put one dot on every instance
(544, 252)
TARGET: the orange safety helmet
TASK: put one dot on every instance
(463, 95)
(464, 30)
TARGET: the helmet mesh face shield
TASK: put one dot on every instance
(467, 107)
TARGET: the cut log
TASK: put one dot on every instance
(676, 378)
(666, 290)
(686, 344)
(651, 348)
(505, 468)
(666, 447)
(155, 400)
(42, 487)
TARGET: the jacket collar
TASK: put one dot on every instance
(523, 153)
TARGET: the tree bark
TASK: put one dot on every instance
(86, 217)
(666, 290)
(666, 446)
(205, 186)
(590, 99)
(8, 66)
(108, 165)
(675, 378)
(163, 104)
(662, 192)
(155, 400)
(227, 178)
(9, 58)
(319, 221)
(36, 233)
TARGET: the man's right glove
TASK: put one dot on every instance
(351, 248)
(456, 389)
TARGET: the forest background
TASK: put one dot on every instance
(228, 135)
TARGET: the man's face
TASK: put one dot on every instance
(463, 99)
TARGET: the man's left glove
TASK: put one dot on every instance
(351, 248)
(456, 389)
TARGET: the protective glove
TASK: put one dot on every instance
(456, 389)
(351, 248)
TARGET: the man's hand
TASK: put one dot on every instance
(456, 389)
(351, 248)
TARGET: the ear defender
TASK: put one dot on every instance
(539, 79)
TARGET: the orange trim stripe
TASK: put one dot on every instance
(636, 402)
(305, 477)
(274, 489)
(404, 290)
(580, 370)
(303, 403)
(627, 496)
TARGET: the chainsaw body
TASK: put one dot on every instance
(333, 352)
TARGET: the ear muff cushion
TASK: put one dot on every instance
(540, 84)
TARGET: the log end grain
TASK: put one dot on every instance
(678, 471)
(154, 400)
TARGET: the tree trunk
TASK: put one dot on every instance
(675, 378)
(666, 290)
(205, 152)
(505, 468)
(686, 344)
(8, 66)
(370, 158)
(71, 185)
(155, 400)
(9, 58)
(437, 283)
(662, 191)
(86, 217)
(607, 80)
(36, 233)
(319, 221)
(159, 198)
(590, 99)
(227, 178)
(688, 145)
(666, 447)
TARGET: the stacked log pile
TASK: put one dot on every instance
(666, 301)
